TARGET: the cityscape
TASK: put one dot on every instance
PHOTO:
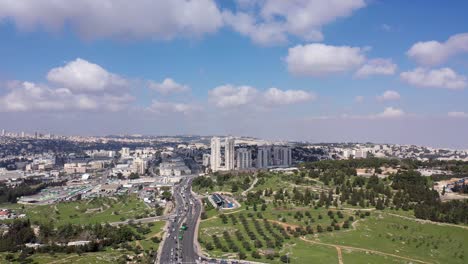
(233, 132)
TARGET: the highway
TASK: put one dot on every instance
(179, 246)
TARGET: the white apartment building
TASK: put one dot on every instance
(216, 159)
(125, 152)
(229, 153)
(139, 166)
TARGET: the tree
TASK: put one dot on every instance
(133, 176)
(285, 259)
(256, 255)
(209, 246)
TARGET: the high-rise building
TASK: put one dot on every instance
(139, 166)
(3, 132)
(206, 160)
(244, 159)
(263, 157)
(282, 156)
(217, 160)
(229, 153)
(125, 152)
(215, 157)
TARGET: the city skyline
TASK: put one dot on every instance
(356, 71)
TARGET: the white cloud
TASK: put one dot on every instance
(272, 21)
(81, 75)
(226, 96)
(359, 99)
(390, 112)
(377, 67)
(168, 86)
(320, 59)
(434, 52)
(276, 96)
(263, 33)
(27, 96)
(157, 19)
(232, 96)
(172, 107)
(437, 78)
(389, 95)
(458, 114)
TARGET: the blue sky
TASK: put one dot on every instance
(88, 68)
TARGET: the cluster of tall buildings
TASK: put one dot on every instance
(225, 157)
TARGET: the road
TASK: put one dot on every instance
(179, 246)
(141, 220)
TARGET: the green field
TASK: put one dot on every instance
(393, 235)
(156, 231)
(386, 236)
(97, 210)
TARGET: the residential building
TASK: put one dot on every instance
(244, 159)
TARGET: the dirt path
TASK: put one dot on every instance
(285, 225)
(244, 193)
(340, 256)
(427, 221)
(361, 249)
(61, 260)
(216, 216)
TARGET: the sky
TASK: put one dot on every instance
(308, 70)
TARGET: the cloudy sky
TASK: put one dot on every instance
(317, 70)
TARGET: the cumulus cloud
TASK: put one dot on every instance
(276, 96)
(434, 52)
(321, 59)
(390, 112)
(232, 96)
(83, 76)
(436, 78)
(226, 96)
(27, 96)
(156, 19)
(458, 114)
(168, 86)
(172, 107)
(272, 21)
(377, 67)
(260, 33)
(389, 95)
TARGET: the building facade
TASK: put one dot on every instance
(244, 159)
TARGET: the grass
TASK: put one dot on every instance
(97, 210)
(156, 230)
(381, 238)
(428, 242)
(279, 213)
(359, 257)
(302, 252)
